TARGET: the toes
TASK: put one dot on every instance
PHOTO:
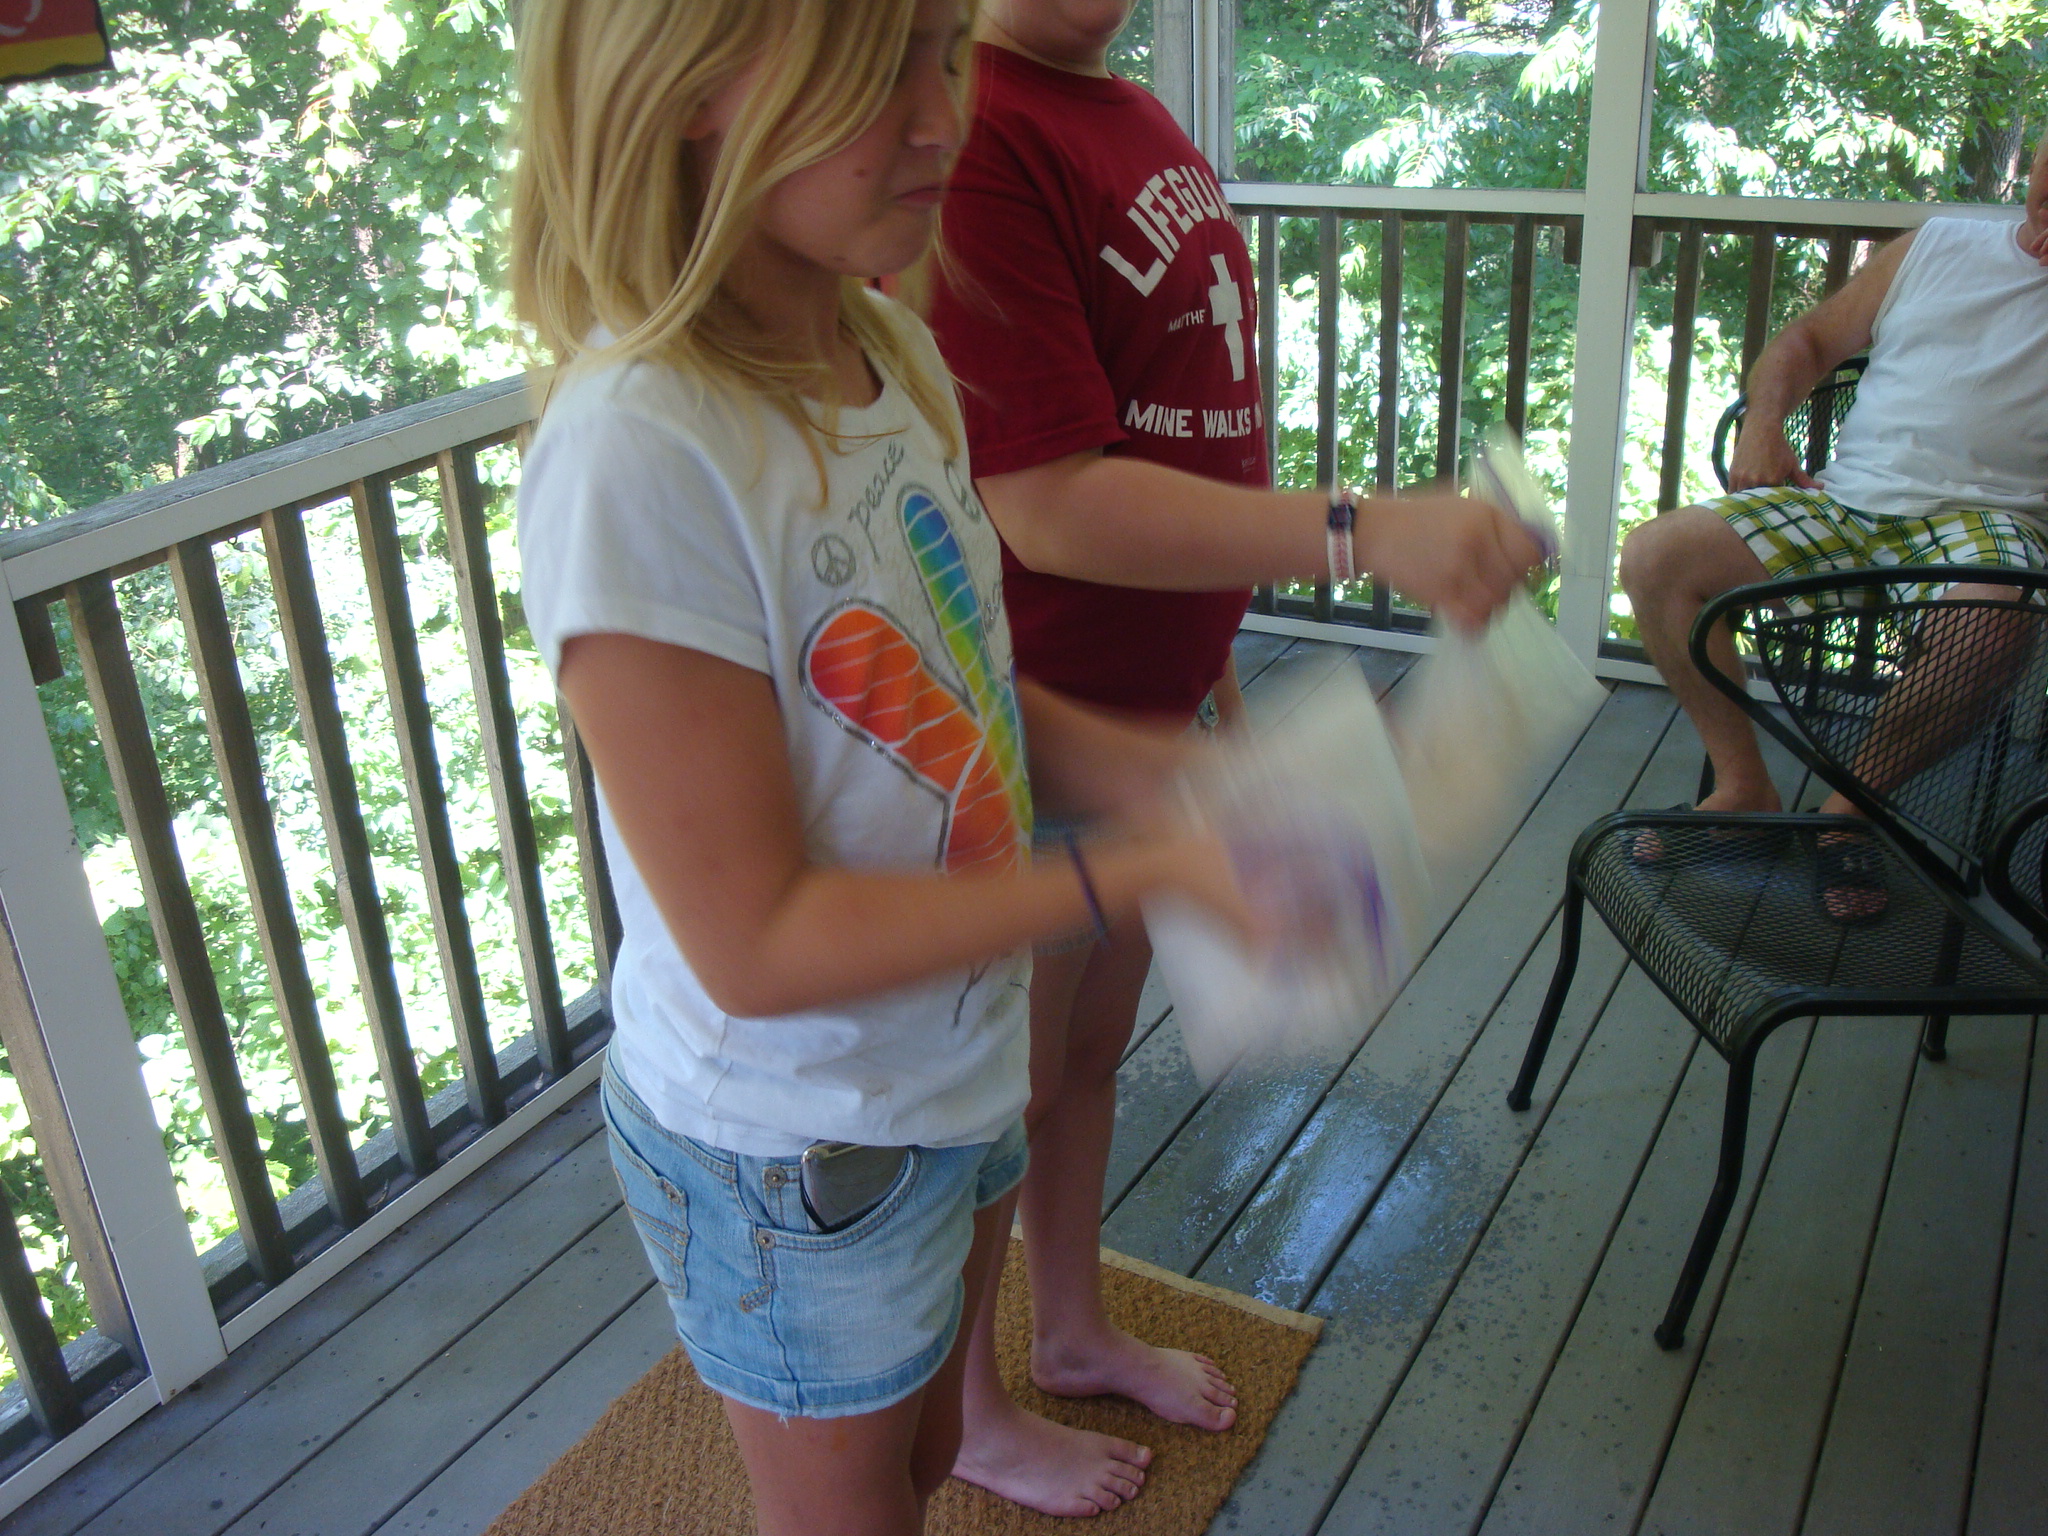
(1131, 1453)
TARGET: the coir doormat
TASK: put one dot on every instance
(661, 1462)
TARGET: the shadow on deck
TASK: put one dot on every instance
(1867, 1356)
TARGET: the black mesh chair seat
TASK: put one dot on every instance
(1727, 923)
(1928, 712)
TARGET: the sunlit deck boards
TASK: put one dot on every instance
(1872, 1361)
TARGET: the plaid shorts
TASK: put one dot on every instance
(1797, 532)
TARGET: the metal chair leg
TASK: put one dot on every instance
(1727, 1179)
(1934, 1037)
(1553, 1000)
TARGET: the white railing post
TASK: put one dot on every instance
(1617, 149)
(91, 1046)
(1173, 62)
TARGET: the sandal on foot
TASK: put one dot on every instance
(1648, 848)
(1849, 864)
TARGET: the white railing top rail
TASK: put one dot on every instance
(142, 523)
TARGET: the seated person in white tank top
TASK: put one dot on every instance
(1943, 459)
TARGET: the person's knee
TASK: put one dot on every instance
(1690, 554)
(1653, 555)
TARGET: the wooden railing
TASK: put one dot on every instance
(67, 579)
(1447, 274)
(1441, 307)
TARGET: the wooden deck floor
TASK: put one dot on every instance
(1870, 1353)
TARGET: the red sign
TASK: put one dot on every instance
(50, 37)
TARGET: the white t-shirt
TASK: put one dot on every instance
(650, 506)
(1951, 413)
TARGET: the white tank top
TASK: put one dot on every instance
(1953, 411)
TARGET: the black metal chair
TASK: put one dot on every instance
(1811, 423)
(1726, 918)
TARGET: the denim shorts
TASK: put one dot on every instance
(783, 1317)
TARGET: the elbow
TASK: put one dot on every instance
(744, 994)
(1041, 545)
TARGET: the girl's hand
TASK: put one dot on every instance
(1460, 555)
(1185, 861)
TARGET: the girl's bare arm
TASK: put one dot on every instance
(695, 768)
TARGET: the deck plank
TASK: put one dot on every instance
(240, 1459)
(1902, 1435)
(1743, 1451)
(1419, 1233)
(1292, 1231)
(165, 1432)
(1450, 1405)
(474, 1489)
(2012, 1445)
(1199, 1185)
(1254, 652)
(371, 1469)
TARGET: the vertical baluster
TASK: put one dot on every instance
(1269, 358)
(1841, 256)
(1820, 422)
(1329, 301)
(1756, 319)
(35, 1077)
(1387, 461)
(1521, 317)
(405, 685)
(1450, 389)
(103, 653)
(1685, 303)
(31, 1341)
(39, 639)
(348, 842)
(592, 863)
(462, 505)
(237, 759)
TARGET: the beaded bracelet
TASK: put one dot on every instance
(1343, 520)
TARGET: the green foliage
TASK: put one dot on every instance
(275, 219)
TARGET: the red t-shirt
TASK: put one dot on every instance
(1104, 299)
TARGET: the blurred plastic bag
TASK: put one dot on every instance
(1318, 821)
(1481, 710)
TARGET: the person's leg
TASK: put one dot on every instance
(1671, 567)
(1962, 662)
(1076, 1350)
(868, 1474)
(832, 1477)
(1006, 1449)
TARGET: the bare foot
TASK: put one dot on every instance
(1180, 1387)
(1648, 847)
(1049, 1467)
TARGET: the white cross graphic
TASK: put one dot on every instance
(35, 10)
(1226, 308)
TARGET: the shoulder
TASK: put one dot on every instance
(639, 408)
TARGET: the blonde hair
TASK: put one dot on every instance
(612, 223)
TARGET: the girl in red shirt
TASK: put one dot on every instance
(1097, 307)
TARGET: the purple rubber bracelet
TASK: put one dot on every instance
(1087, 887)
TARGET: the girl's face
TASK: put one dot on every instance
(871, 208)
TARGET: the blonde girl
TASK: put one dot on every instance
(754, 559)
